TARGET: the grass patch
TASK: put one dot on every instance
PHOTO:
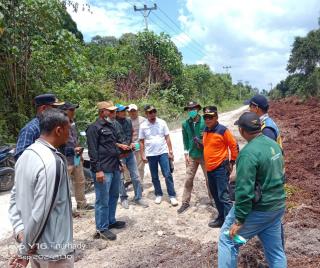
(290, 190)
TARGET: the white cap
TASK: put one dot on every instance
(132, 107)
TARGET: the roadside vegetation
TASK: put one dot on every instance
(303, 68)
(41, 50)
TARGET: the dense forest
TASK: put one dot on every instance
(303, 68)
(41, 50)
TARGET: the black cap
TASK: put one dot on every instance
(191, 105)
(249, 121)
(149, 108)
(47, 99)
(210, 110)
(68, 106)
(260, 101)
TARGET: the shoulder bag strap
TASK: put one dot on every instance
(55, 191)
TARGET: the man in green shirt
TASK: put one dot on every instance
(259, 197)
(192, 130)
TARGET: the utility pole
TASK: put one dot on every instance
(146, 12)
(227, 68)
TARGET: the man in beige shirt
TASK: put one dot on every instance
(136, 120)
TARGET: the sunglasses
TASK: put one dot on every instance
(152, 112)
(208, 117)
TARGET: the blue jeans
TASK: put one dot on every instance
(265, 224)
(131, 163)
(107, 194)
(163, 160)
(218, 180)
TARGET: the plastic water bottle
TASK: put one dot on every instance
(137, 146)
(237, 238)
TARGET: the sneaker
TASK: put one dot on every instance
(117, 225)
(85, 207)
(158, 199)
(141, 203)
(173, 201)
(217, 223)
(107, 235)
(125, 204)
(183, 208)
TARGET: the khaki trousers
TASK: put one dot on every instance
(65, 263)
(78, 180)
(191, 172)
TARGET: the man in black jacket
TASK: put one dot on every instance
(103, 148)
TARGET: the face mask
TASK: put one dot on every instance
(193, 114)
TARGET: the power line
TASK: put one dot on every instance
(195, 52)
(201, 53)
(193, 42)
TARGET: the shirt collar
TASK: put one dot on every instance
(264, 117)
(45, 143)
(156, 121)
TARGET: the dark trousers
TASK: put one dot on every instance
(218, 180)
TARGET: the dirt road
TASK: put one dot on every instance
(156, 236)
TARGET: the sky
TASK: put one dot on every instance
(253, 37)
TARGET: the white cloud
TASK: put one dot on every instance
(252, 36)
(106, 19)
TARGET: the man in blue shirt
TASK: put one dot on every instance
(259, 104)
(31, 131)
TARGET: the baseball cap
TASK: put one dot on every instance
(249, 121)
(47, 99)
(108, 105)
(260, 101)
(210, 110)
(132, 107)
(121, 107)
(149, 108)
(68, 106)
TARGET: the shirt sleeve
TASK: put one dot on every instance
(92, 141)
(185, 139)
(165, 129)
(14, 215)
(232, 144)
(244, 193)
(141, 133)
(25, 139)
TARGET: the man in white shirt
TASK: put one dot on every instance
(156, 148)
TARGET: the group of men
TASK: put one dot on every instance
(118, 147)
